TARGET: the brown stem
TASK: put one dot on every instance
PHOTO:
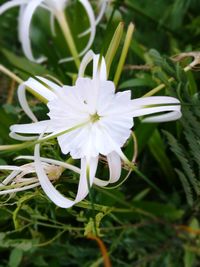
(103, 249)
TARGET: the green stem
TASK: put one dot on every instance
(127, 43)
(12, 75)
(62, 20)
(114, 44)
(91, 199)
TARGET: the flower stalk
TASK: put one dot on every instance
(10, 74)
(114, 45)
(63, 23)
(124, 53)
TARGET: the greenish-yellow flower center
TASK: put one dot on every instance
(94, 117)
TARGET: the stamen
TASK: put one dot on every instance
(94, 117)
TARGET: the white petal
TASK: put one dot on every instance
(83, 189)
(171, 116)
(14, 190)
(54, 87)
(9, 168)
(101, 70)
(116, 148)
(47, 186)
(40, 89)
(50, 190)
(99, 17)
(86, 4)
(11, 4)
(25, 29)
(37, 88)
(54, 162)
(91, 18)
(114, 164)
(146, 111)
(162, 104)
(72, 141)
(11, 176)
(154, 100)
(21, 13)
(102, 11)
(32, 128)
(24, 103)
(84, 62)
(21, 137)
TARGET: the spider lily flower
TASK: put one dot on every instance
(88, 119)
(56, 9)
(18, 181)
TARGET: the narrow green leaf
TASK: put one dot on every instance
(15, 257)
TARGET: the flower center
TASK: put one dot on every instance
(94, 117)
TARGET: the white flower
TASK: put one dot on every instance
(89, 119)
(18, 181)
(55, 7)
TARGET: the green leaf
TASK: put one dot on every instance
(15, 257)
(143, 133)
(189, 258)
(166, 211)
(157, 148)
(24, 65)
(137, 82)
(142, 194)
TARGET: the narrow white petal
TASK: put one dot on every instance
(100, 69)
(53, 86)
(54, 162)
(99, 17)
(91, 165)
(47, 186)
(91, 18)
(11, 4)
(154, 100)
(114, 164)
(84, 62)
(35, 87)
(102, 11)
(21, 137)
(29, 180)
(115, 147)
(151, 110)
(15, 190)
(40, 89)
(24, 103)
(86, 4)
(25, 29)
(21, 12)
(171, 116)
(31, 128)
(11, 176)
(9, 168)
